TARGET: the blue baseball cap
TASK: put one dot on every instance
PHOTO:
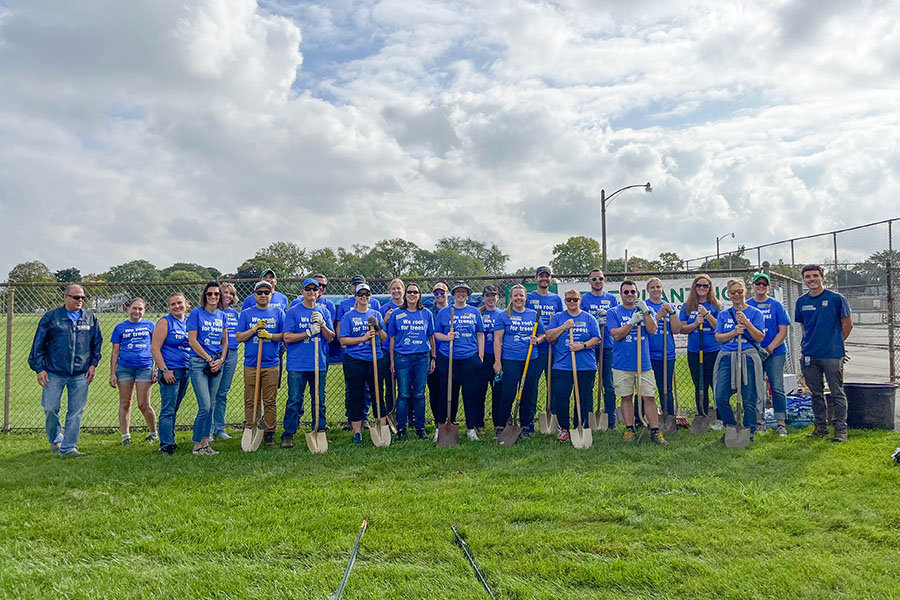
(310, 281)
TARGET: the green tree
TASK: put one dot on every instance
(397, 257)
(286, 258)
(670, 261)
(136, 270)
(493, 259)
(68, 275)
(325, 261)
(38, 298)
(184, 275)
(449, 263)
(203, 273)
(578, 255)
(34, 271)
(874, 268)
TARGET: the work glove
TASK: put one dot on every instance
(636, 318)
(600, 313)
(642, 306)
(261, 324)
(314, 329)
(264, 334)
(317, 318)
(373, 324)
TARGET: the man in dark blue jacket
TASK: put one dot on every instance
(65, 354)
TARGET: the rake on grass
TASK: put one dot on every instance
(465, 548)
(338, 593)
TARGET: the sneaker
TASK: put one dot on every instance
(205, 451)
(563, 436)
(152, 437)
(401, 434)
(420, 433)
(840, 436)
(818, 432)
(657, 438)
(760, 428)
(357, 439)
(528, 429)
(629, 435)
(73, 453)
(472, 435)
(269, 438)
(717, 425)
(222, 436)
(479, 431)
(170, 449)
(525, 435)
(435, 436)
(287, 441)
(126, 441)
(781, 431)
(497, 432)
(54, 447)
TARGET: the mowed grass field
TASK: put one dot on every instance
(784, 518)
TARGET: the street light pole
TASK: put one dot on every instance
(603, 200)
(718, 239)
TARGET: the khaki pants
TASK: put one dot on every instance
(268, 382)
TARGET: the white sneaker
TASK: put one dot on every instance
(717, 425)
(472, 435)
(435, 436)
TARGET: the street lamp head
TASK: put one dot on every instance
(732, 235)
(648, 188)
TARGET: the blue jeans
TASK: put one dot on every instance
(218, 411)
(412, 373)
(171, 395)
(51, 399)
(669, 404)
(205, 388)
(297, 382)
(724, 391)
(774, 368)
(512, 375)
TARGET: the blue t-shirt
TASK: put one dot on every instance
(276, 300)
(274, 324)
(300, 355)
(411, 330)
(775, 315)
(209, 327)
(467, 323)
(709, 339)
(591, 303)
(821, 319)
(356, 324)
(657, 340)
(726, 323)
(74, 315)
(549, 305)
(231, 323)
(517, 329)
(134, 343)
(586, 327)
(388, 306)
(490, 322)
(625, 350)
(175, 349)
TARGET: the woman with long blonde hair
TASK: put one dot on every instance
(698, 319)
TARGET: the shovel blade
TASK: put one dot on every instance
(317, 442)
(737, 437)
(256, 439)
(581, 438)
(247, 440)
(392, 423)
(381, 435)
(668, 424)
(544, 423)
(448, 435)
(509, 436)
(594, 421)
(700, 425)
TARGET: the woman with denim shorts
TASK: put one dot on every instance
(208, 337)
(172, 354)
(229, 301)
(131, 367)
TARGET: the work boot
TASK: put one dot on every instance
(269, 438)
(420, 433)
(818, 432)
(401, 434)
(657, 438)
(287, 441)
(840, 436)
(629, 435)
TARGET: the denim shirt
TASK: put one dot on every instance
(62, 347)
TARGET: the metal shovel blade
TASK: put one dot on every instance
(509, 436)
(380, 434)
(256, 439)
(247, 440)
(317, 442)
(700, 425)
(593, 421)
(548, 423)
(737, 436)
(448, 435)
(392, 423)
(581, 438)
(668, 424)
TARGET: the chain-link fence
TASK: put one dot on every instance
(24, 304)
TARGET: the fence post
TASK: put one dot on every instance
(892, 360)
(837, 284)
(11, 299)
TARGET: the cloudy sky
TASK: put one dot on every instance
(203, 130)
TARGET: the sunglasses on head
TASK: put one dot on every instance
(701, 285)
(598, 279)
(629, 292)
(262, 292)
(76, 297)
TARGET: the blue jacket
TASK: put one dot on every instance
(62, 347)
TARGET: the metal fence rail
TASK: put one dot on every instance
(24, 304)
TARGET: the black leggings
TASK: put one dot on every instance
(709, 361)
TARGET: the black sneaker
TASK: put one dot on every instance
(347, 427)
(525, 435)
(287, 441)
(401, 434)
(357, 439)
(269, 438)
(420, 433)
(170, 449)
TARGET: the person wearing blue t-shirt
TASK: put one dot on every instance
(468, 354)
(172, 354)
(131, 368)
(229, 298)
(550, 304)
(701, 307)
(746, 323)
(279, 300)
(598, 303)
(777, 322)
(487, 377)
(585, 335)
(663, 342)
(262, 324)
(512, 338)
(412, 355)
(624, 322)
(343, 308)
(208, 338)
(397, 291)
(825, 317)
(359, 326)
(334, 348)
(302, 323)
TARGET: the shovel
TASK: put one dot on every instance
(381, 434)
(448, 433)
(316, 441)
(252, 436)
(599, 421)
(738, 436)
(512, 431)
(547, 421)
(668, 425)
(392, 416)
(639, 397)
(700, 424)
(581, 438)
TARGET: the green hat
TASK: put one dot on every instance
(761, 276)
(267, 271)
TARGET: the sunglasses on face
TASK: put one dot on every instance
(413, 292)
(762, 283)
(76, 297)
(363, 294)
(311, 289)
(212, 294)
(701, 285)
(629, 292)
(323, 285)
(439, 292)
(262, 292)
(572, 300)
(597, 278)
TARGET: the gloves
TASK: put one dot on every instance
(636, 318)
(600, 313)
(264, 334)
(642, 306)
(314, 329)
(373, 324)
(317, 318)
(261, 324)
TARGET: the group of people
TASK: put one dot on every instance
(626, 343)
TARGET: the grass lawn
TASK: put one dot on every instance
(785, 518)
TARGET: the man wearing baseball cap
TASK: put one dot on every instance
(549, 304)
(279, 300)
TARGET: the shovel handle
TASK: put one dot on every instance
(316, 385)
(450, 369)
(256, 390)
(600, 390)
(377, 386)
(640, 397)
(575, 376)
